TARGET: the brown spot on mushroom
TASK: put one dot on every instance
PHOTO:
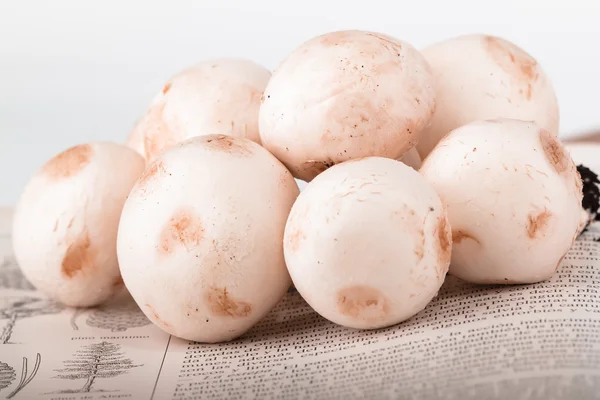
(362, 302)
(55, 226)
(420, 244)
(444, 236)
(158, 134)
(166, 88)
(156, 316)
(68, 163)
(537, 223)
(295, 238)
(460, 235)
(222, 304)
(183, 229)
(554, 151)
(520, 66)
(151, 172)
(79, 255)
(228, 144)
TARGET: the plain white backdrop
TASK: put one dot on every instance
(77, 71)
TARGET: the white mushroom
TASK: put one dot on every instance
(513, 197)
(367, 243)
(220, 96)
(480, 77)
(344, 95)
(65, 223)
(200, 242)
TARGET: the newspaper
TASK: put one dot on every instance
(539, 341)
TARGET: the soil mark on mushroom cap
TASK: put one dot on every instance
(222, 304)
(156, 316)
(183, 229)
(150, 173)
(362, 302)
(554, 151)
(69, 163)
(460, 235)
(79, 255)
(537, 223)
(445, 243)
(158, 135)
(515, 62)
(228, 144)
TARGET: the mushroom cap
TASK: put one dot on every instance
(479, 77)
(344, 95)
(513, 197)
(367, 243)
(219, 96)
(65, 222)
(200, 242)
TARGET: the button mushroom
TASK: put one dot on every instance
(344, 95)
(65, 222)
(513, 196)
(368, 243)
(480, 77)
(200, 242)
(220, 96)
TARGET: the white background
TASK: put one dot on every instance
(75, 71)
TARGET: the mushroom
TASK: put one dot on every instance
(479, 77)
(200, 242)
(368, 243)
(65, 222)
(412, 159)
(344, 95)
(513, 196)
(219, 96)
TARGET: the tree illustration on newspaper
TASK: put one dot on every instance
(15, 308)
(11, 276)
(115, 317)
(92, 362)
(7, 375)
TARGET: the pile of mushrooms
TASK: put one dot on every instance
(415, 165)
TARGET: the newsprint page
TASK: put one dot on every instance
(537, 341)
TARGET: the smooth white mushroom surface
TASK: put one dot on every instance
(200, 242)
(479, 77)
(65, 223)
(219, 96)
(513, 196)
(344, 95)
(368, 243)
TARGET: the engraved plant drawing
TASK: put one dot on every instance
(15, 308)
(7, 375)
(92, 362)
(25, 378)
(116, 317)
